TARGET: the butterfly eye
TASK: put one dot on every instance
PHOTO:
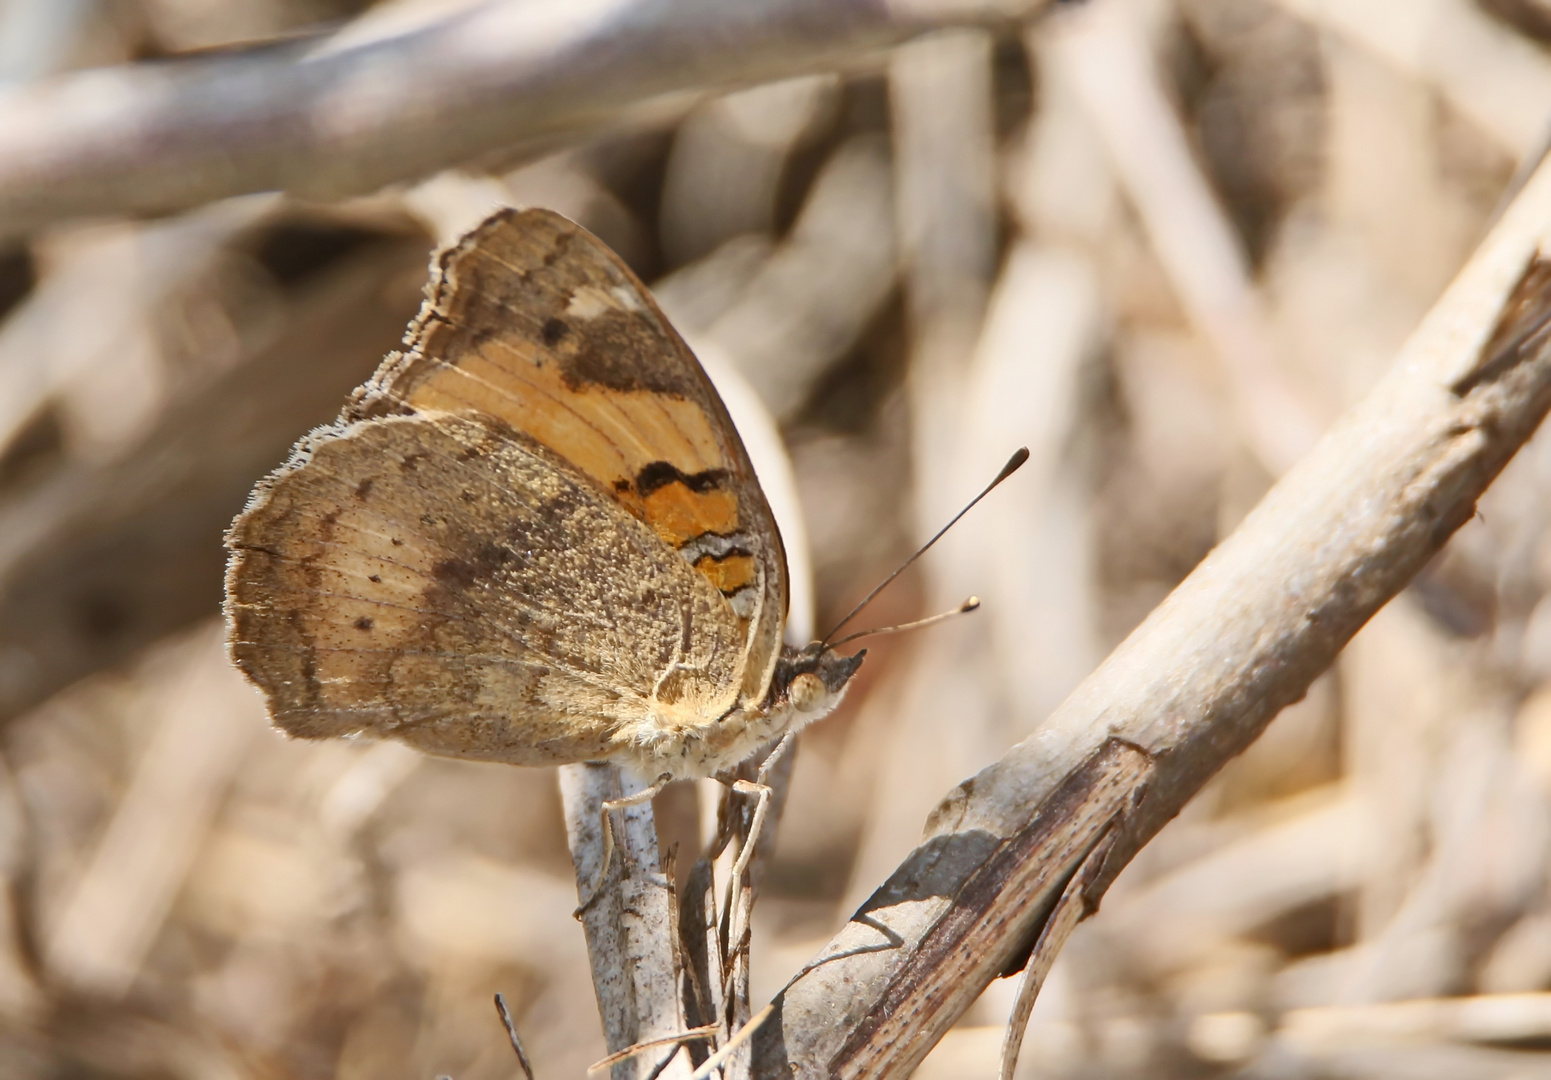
(807, 692)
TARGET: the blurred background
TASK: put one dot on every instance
(1162, 243)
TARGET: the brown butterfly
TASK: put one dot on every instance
(533, 536)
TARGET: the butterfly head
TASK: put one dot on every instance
(813, 679)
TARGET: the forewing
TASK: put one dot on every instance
(533, 322)
(449, 582)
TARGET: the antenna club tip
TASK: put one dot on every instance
(971, 604)
(1014, 463)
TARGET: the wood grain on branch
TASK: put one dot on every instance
(1196, 683)
(327, 119)
(630, 921)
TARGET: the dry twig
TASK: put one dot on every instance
(324, 120)
(631, 931)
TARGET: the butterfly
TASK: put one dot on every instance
(533, 536)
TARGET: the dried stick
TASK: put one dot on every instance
(330, 119)
(629, 923)
(1242, 637)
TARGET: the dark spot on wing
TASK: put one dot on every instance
(553, 330)
(626, 350)
(563, 242)
(621, 485)
(375, 579)
(662, 473)
(461, 573)
(364, 488)
(455, 573)
(364, 623)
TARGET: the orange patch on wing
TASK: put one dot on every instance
(609, 435)
(679, 514)
(730, 574)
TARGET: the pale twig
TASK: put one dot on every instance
(1243, 636)
(704, 1031)
(511, 1034)
(715, 1061)
(1315, 848)
(1070, 909)
(813, 295)
(739, 854)
(629, 924)
(326, 119)
(606, 823)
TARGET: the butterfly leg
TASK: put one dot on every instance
(739, 912)
(646, 794)
(759, 787)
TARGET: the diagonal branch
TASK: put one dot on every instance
(1242, 637)
(326, 118)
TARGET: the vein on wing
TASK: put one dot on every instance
(579, 674)
(302, 591)
(495, 658)
(352, 549)
(662, 407)
(486, 253)
(428, 554)
(618, 422)
(556, 612)
(473, 407)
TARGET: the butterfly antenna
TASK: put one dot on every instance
(967, 606)
(1012, 466)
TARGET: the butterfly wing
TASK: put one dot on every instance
(501, 612)
(451, 584)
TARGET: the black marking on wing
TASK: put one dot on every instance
(723, 556)
(660, 474)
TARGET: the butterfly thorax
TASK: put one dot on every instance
(805, 686)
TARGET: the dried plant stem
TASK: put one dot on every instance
(1070, 909)
(329, 119)
(629, 922)
(1242, 637)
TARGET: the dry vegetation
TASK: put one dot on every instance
(1163, 244)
